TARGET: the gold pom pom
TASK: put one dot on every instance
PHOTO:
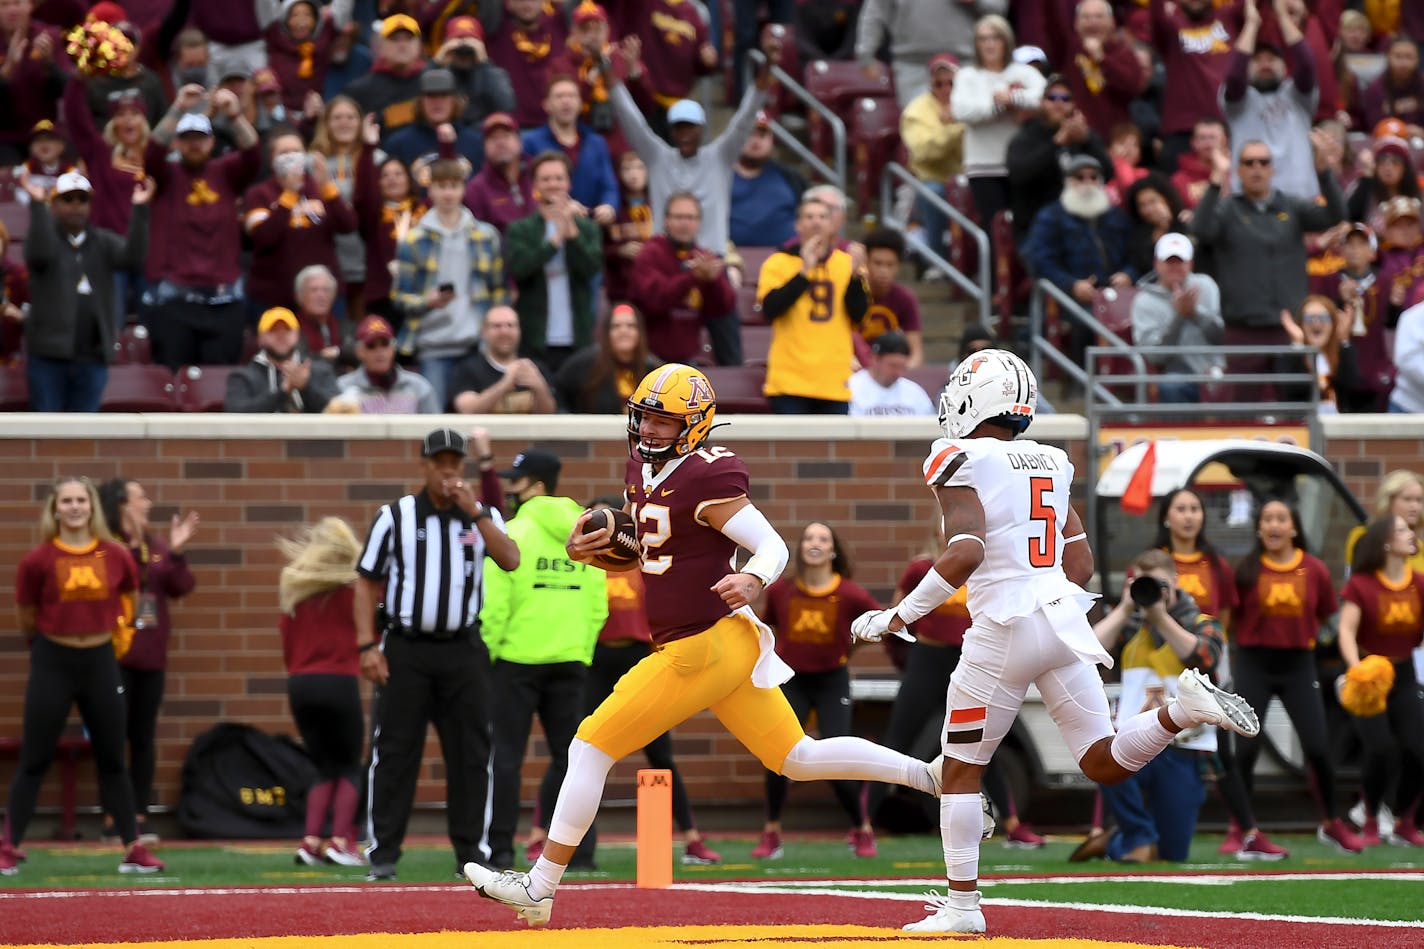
(1365, 692)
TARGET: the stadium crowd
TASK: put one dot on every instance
(316, 207)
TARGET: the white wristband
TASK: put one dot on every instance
(928, 595)
(1074, 539)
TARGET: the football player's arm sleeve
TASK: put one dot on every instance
(750, 529)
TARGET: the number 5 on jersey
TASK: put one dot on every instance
(1042, 551)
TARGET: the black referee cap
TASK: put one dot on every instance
(443, 439)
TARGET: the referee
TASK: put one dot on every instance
(424, 563)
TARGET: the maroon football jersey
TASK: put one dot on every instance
(946, 623)
(683, 557)
(1391, 616)
(813, 626)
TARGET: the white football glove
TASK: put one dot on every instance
(872, 626)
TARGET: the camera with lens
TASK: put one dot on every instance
(1147, 591)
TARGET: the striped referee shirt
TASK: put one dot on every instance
(432, 562)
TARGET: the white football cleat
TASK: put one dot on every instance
(1208, 705)
(944, 918)
(989, 823)
(936, 773)
(511, 888)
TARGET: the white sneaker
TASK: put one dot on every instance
(511, 888)
(1385, 818)
(944, 918)
(1208, 705)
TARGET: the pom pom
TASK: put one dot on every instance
(1364, 691)
(98, 48)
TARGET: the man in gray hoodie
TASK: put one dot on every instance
(1176, 307)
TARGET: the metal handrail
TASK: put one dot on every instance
(1116, 344)
(837, 175)
(982, 291)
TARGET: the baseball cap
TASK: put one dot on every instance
(374, 327)
(1390, 126)
(1174, 245)
(1028, 55)
(194, 123)
(944, 61)
(274, 316)
(1392, 145)
(1400, 206)
(499, 120)
(235, 70)
(443, 439)
(266, 81)
(437, 82)
(107, 12)
(464, 28)
(44, 127)
(535, 463)
(1077, 163)
(126, 99)
(1362, 230)
(72, 181)
(686, 110)
(400, 21)
(890, 343)
(588, 10)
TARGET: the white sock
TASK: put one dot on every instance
(1180, 715)
(961, 824)
(847, 758)
(1140, 739)
(579, 797)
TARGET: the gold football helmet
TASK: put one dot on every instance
(675, 391)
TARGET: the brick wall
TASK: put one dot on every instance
(252, 479)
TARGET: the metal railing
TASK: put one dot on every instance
(982, 289)
(835, 175)
(1039, 347)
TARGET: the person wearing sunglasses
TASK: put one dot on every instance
(1038, 149)
(380, 386)
(69, 334)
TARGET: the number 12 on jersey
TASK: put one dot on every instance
(1042, 551)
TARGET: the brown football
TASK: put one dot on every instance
(626, 549)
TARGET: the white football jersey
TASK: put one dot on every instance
(1023, 487)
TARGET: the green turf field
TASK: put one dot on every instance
(915, 858)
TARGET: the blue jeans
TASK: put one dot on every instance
(1178, 393)
(62, 385)
(436, 370)
(804, 405)
(1396, 407)
(933, 223)
(1157, 805)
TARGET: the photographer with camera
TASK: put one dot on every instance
(1163, 632)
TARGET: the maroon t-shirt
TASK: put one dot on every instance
(672, 33)
(627, 614)
(287, 237)
(319, 636)
(526, 55)
(813, 625)
(948, 621)
(898, 310)
(76, 591)
(1194, 54)
(682, 556)
(1284, 608)
(195, 239)
(1208, 579)
(1391, 615)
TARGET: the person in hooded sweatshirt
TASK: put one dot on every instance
(540, 622)
(392, 87)
(449, 272)
(299, 48)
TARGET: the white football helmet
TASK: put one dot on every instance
(990, 385)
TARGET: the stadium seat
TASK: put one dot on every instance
(931, 377)
(836, 84)
(133, 346)
(738, 388)
(752, 259)
(756, 343)
(7, 184)
(1113, 309)
(135, 388)
(962, 252)
(14, 388)
(16, 218)
(747, 307)
(874, 137)
(202, 388)
(1012, 284)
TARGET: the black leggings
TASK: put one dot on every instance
(327, 710)
(611, 663)
(829, 694)
(1288, 674)
(1229, 783)
(61, 677)
(143, 696)
(1400, 728)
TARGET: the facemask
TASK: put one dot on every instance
(288, 164)
(511, 503)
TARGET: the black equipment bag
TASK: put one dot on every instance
(239, 782)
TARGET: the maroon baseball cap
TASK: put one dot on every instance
(464, 28)
(374, 327)
(944, 61)
(499, 120)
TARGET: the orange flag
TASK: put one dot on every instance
(1137, 497)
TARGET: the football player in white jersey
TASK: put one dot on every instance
(1019, 545)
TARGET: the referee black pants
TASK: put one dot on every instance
(553, 690)
(447, 682)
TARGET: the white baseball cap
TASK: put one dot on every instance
(686, 110)
(194, 122)
(72, 181)
(1174, 245)
(1028, 55)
